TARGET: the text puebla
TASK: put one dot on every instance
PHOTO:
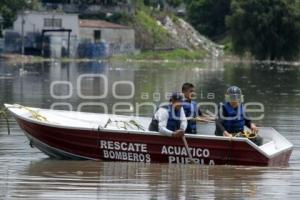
(140, 152)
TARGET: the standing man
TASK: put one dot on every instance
(191, 110)
(231, 117)
(170, 120)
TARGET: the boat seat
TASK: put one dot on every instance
(269, 147)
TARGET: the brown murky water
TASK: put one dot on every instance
(25, 173)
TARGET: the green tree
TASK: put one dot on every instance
(91, 2)
(268, 29)
(174, 3)
(154, 3)
(10, 8)
(208, 16)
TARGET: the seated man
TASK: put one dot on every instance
(191, 110)
(231, 117)
(170, 120)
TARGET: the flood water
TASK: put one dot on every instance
(26, 173)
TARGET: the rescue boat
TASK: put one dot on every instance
(81, 135)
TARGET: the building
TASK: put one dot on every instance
(39, 21)
(56, 34)
(51, 34)
(119, 39)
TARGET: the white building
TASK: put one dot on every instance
(55, 34)
(52, 34)
(39, 21)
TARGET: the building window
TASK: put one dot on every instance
(47, 22)
(97, 35)
(53, 22)
(57, 23)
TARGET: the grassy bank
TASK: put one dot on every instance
(18, 58)
(174, 55)
(148, 33)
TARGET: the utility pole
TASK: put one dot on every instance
(22, 32)
(22, 27)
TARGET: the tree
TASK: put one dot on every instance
(154, 3)
(208, 16)
(268, 29)
(174, 3)
(93, 2)
(10, 8)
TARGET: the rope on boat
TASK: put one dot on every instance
(125, 124)
(34, 114)
(3, 114)
(246, 134)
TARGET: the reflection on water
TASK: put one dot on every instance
(51, 179)
(27, 174)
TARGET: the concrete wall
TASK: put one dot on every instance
(87, 34)
(120, 35)
(109, 35)
(34, 22)
(119, 40)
